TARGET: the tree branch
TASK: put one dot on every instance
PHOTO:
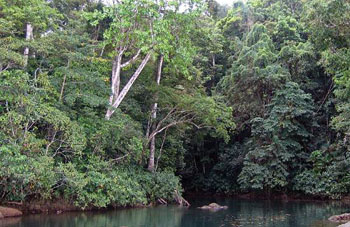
(133, 59)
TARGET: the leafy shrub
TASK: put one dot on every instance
(329, 176)
(23, 177)
(158, 185)
(99, 184)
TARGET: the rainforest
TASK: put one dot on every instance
(126, 103)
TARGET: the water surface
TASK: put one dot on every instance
(249, 213)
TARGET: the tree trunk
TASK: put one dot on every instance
(154, 116)
(64, 82)
(29, 36)
(115, 82)
(126, 88)
(152, 150)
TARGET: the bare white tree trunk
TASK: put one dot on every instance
(29, 36)
(154, 116)
(118, 98)
(115, 82)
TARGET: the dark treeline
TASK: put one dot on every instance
(127, 102)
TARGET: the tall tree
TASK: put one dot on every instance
(136, 28)
(278, 146)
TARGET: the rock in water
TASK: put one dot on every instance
(345, 225)
(10, 212)
(213, 206)
(340, 218)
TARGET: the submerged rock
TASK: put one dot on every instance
(213, 206)
(9, 212)
(340, 218)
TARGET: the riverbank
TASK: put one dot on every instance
(265, 196)
(239, 212)
(60, 206)
(55, 207)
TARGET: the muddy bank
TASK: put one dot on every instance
(36, 207)
(57, 207)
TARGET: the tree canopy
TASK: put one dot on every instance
(132, 103)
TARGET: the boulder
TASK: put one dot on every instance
(10, 212)
(345, 225)
(213, 206)
(1, 215)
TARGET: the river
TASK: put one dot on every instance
(249, 213)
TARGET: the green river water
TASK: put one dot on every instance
(250, 213)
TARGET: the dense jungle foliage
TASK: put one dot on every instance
(123, 103)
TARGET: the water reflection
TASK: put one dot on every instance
(272, 213)
(240, 213)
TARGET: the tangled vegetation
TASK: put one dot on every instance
(125, 104)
